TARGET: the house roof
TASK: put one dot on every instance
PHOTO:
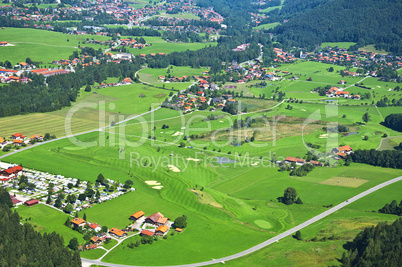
(147, 232)
(116, 231)
(32, 201)
(293, 159)
(93, 225)
(1, 140)
(138, 214)
(14, 169)
(78, 221)
(158, 218)
(179, 229)
(162, 228)
(344, 148)
(94, 238)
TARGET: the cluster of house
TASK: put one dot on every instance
(129, 42)
(339, 153)
(357, 59)
(18, 139)
(173, 24)
(339, 92)
(257, 18)
(8, 75)
(241, 47)
(282, 56)
(154, 225)
(299, 161)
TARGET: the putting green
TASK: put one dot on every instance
(263, 224)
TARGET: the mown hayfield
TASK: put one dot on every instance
(342, 181)
(41, 45)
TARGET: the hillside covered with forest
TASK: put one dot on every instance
(364, 22)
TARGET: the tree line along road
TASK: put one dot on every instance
(86, 262)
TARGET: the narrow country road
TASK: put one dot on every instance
(269, 241)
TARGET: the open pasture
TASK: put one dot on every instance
(46, 219)
(342, 181)
(158, 45)
(41, 45)
(345, 45)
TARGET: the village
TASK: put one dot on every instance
(149, 228)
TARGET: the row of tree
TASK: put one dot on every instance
(385, 158)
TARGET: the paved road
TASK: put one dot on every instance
(269, 241)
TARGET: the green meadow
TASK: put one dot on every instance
(158, 45)
(46, 219)
(345, 45)
(41, 45)
(180, 16)
(341, 227)
(266, 26)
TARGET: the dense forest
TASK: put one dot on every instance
(385, 158)
(394, 121)
(364, 22)
(21, 245)
(376, 246)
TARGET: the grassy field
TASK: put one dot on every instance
(372, 49)
(41, 45)
(180, 16)
(340, 44)
(91, 111)
(92, 254)
(46, 219)
(266, 26)
(342, 225)
(161, 46)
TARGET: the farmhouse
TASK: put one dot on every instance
(117, 232)
(343, 149)
(15, 170)
(15, 200)
(37, 137)
(96, 227)
(162, 230)
(147, 232)
(78, 222)
(137, 215)
(156, 218)
(31, 202)
(316, 163)
(18, 136)
(298, 161)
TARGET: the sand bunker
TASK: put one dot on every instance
(193, 159)
(152, 183)
(173, 168)
(177, 133)
(255, 164)
(157, 187)
(323, 136)
(183, 128)
(303, 110)
(220, 121)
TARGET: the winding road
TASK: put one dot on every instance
(269, 241)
